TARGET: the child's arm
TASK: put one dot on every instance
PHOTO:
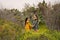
(30, 25)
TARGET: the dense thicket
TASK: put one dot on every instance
(48, 13)
(12, 22)
(51, 15)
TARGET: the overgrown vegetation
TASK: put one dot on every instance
(12, 23)
(11, 31)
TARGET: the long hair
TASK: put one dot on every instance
(26, 20)
(36, 16)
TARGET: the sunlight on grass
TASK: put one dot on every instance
(43, 31)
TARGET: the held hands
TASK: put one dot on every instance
(32, 26)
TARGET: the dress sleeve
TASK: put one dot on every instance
(30, 24)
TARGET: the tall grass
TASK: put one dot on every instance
(11, 31)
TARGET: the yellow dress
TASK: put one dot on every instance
(28, 26)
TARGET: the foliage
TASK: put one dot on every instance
(42, 34)
(11, 31)
(12, 23)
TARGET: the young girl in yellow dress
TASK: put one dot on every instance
(27, 24)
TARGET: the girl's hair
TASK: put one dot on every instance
(36, 16)
(26, 20)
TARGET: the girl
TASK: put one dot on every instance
(35, 22)
(27, 24)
